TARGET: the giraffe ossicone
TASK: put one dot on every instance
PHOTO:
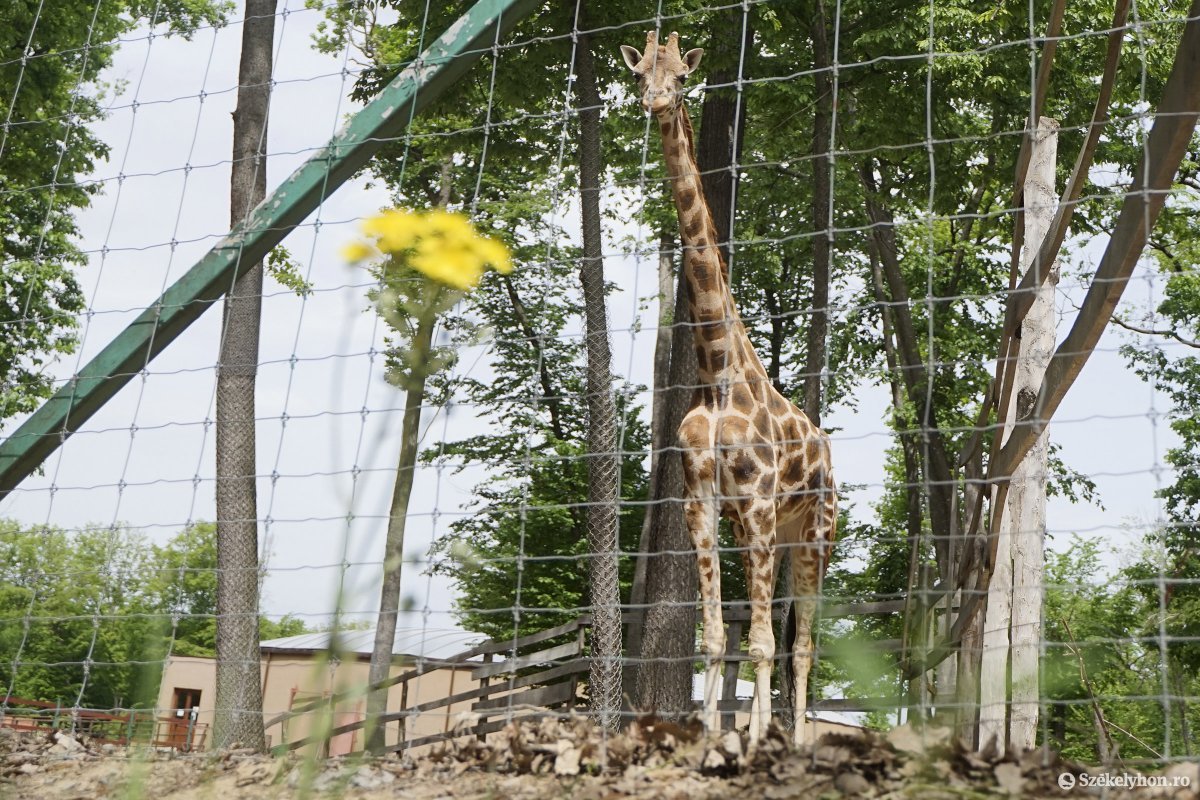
(749, 454)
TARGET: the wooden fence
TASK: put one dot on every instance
(539, 674)
(104, 727)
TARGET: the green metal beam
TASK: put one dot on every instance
(419, 84)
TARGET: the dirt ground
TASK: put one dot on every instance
(571, 759)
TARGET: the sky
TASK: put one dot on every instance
(328, 433)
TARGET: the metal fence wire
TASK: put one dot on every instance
(911, 226)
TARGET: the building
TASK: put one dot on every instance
(453, 676)
(297, 670)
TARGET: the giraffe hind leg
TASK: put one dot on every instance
(806, 585)
(809, 559)
(759, 526)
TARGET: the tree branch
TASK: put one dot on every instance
(1170, 334)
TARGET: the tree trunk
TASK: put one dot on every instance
(238, 717)
(822, 242)
(604, 463)
(668, 639)
(393, 548)
(660, 437)
(723, 121)
(936, 460)
(1013, 622)
(917, 607)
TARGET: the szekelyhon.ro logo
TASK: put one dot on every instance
(1066, 781)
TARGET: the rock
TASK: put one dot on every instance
(851, 783)
(1008, 776)
(906, 740)
(20, 757)
(65, 744)
(567, 761)
(251, 772)
(367, 778)
(1184, 773)
(731, 743)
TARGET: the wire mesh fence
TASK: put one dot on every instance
(836, 213)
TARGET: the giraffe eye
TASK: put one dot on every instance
(682, 79)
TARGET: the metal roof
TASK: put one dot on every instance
(411, 642)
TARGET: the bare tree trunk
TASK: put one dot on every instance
(970, 650)
(393, 548)
(668, 642)
(1012, 625)
(822, 242)
(604, 462)
(660, 437)
(916, 608)
(936, 460)
(723, 121)
(238, 716)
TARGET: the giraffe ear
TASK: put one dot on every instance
(691, 59)
(632, 56)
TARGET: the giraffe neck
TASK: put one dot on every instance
(722, 346)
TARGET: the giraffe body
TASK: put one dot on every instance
(749, 454)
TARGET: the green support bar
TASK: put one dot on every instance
(419, 84)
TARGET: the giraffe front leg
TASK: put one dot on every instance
(701, 517)
(759, 525)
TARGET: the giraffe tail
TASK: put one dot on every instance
(787, 683)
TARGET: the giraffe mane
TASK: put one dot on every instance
(689, 136)
(688, 133)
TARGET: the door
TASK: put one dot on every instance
(181, 725)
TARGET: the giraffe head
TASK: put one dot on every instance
(661, 72)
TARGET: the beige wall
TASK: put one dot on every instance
(187, 672)
(292, 679)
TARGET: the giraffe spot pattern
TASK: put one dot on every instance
(777, 460)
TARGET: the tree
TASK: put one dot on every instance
(183, 582)
(1163, 353)
(238, 716)
(87, 617)
(51, 58)
(73, 614)
(430, 259)
(603, 456)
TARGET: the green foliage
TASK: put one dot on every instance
(1106, 652)
(284, 269)
(51, 58)
(99, 609)
(530, 536)
(1167, 576)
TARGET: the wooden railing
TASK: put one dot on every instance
(544, 678)
(103, 727)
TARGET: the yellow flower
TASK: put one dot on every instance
(494, 252)
(396, 230)
(449, 224)
(357, 251)
(454, 266)
(442, 245)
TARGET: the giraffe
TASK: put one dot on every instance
(749, 454)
